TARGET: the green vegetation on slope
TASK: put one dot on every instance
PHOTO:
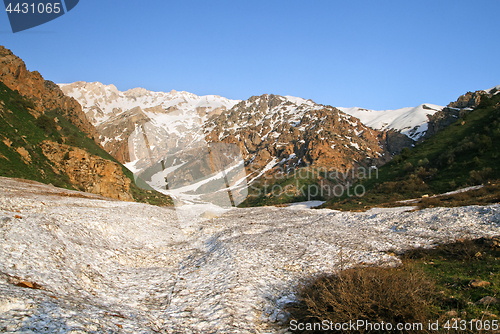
(454, 284)
(20, 130)
(463, 154)
(464, 272)
(279, 189)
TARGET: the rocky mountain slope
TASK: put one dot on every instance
(46, 95)
(156, 133)
(457, 109)
(292, 132)
(46, 136)
(274, 134)
(74, 262)
(461, 154)
(116, 114)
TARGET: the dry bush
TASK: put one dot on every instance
(462, 249)
(392, 295)
(490, 193)
(429, 202)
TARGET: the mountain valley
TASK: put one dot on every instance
(277, 136)
(218, 244)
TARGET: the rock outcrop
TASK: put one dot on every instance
(296, 133)
(45, 94)
(443, 119)
(468, 100)
(88, 172)
(118, 129)
(396, 141)
(455, 110)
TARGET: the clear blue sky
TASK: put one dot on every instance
(372, 54)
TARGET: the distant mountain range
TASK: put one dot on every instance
(210, 137)
(411, 122)
(275, 134)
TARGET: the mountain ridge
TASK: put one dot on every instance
(275, 134)
(461, 155)
(46, 136)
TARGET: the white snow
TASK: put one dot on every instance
(355, 145)
(108, 98)
(410, 121)
(107, 266)
(462, 190)
(304, 205)
(496, 87)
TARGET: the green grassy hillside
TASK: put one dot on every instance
(21, 132)
(464, 154)
(303, 185)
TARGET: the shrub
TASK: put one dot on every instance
(429, 202)
(413, 184)
(432, 172)
(485, 143)
(421, 172)
(388, 187)
(397, 158)
(46, 123)
(394, 295)
(405, 153)
(479, 177)
(447, 158)
(476, 161)
(423, 162)
(408, 167)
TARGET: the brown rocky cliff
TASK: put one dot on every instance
(88, 172)
(322, 136)
(121, 126)
(444, 118)
(468, 100)
(45, 94)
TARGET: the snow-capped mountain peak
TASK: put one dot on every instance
(412, 122)
(494, 90)
(101, 102)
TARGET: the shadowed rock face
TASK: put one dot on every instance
(119, 128)
(45, 94)
(396, 141)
